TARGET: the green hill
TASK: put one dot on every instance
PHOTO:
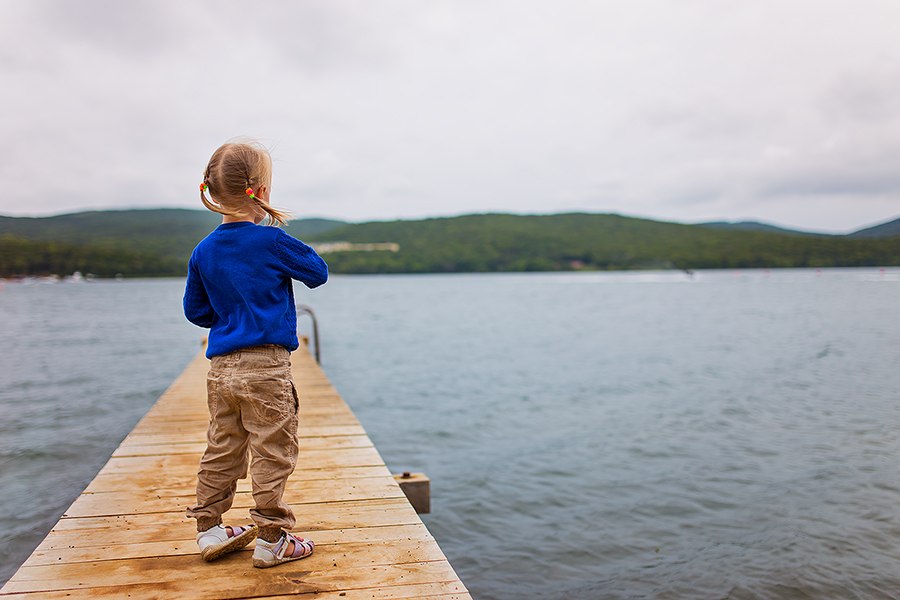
(167, 232)
(137, 243)
(754, 226)
(888, 229)
(158, 242)
(503, 242)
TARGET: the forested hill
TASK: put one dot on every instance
(170, 232)
(878, 231)
(503, 242)
(147, 243)
(158, 242)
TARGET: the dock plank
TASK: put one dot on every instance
(127, 534)
(174, 577)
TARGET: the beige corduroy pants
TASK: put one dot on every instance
(253, 406)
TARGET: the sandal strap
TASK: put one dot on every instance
(236, 530)
(302, 547)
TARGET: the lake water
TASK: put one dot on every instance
(589, 435)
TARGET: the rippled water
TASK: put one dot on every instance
(592, 435)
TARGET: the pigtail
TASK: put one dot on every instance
(211, 205)
(277, 218)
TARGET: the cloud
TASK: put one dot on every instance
(137, 29)
(686, 111)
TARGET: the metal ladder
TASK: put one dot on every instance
(303, 309)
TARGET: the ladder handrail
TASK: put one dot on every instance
(303, 309)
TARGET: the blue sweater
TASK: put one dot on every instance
(239, 286)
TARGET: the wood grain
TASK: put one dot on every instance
(127, 534)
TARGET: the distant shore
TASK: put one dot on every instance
(158, 243)
(78, 278)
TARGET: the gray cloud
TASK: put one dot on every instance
(845, 175)
(689, 111)
(866, 94)
(137, 29)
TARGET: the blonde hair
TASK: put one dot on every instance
(232, 169)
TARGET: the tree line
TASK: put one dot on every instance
(158, 243)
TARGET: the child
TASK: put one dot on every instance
(239, 286)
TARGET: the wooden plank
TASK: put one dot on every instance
(341, 458)
(180, 577)
(424, 591)
(195, 414)
(352, 519)
(126, 503)
(304, 491)
(101, 544)
(127, 534)
(305, 431)
(190, 427)
(171, 484)
(187, 463)
(312, 517)
(197, 447)
(403, 544)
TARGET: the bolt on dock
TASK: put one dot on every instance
(127, 536)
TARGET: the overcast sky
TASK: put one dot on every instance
(785, 111)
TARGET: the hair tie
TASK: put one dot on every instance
(203, 187)
(249, 192)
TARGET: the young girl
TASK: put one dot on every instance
(239, 286)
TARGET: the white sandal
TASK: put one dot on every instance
(216, 541)
(268, 554)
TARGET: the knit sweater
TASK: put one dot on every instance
(239, 286)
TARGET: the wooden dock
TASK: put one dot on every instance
(127, 536)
